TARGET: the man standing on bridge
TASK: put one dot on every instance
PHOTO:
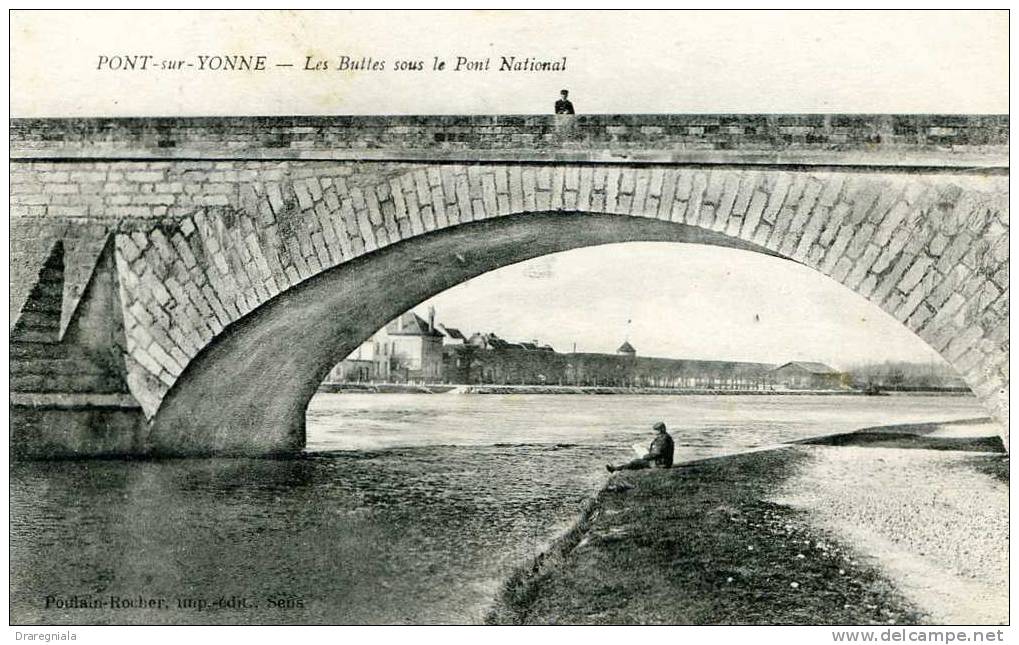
(658, 456)
(563, 105)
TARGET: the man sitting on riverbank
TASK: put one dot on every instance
(658, 456)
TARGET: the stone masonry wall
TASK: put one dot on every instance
(898, 139)
(202, 244)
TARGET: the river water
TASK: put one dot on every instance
(405, 508)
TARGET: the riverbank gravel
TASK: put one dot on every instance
(934, 521)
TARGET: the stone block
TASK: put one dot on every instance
(962, 343)
(693, 205)
(543, 175)
(954, 252)
(449, 194)
(777, 196)
(439, 207)
(753, 215)
(585, 186)
(571, 178)
(726, 201)
(627, 181)
(684, 184)
(668, 194)
(641, 185)
(488, 195)
(613, 180)
(811, 231)
(529, 183)
(863, 197)
(422, 187)
(463, 199)
(808, 196)
(914, 274)
(909, 305)
(321, 253)
(896, 216)
(842, 268)
(862, 266)
(152, 176)
(58, 189)
(329, 236)
(833, 185)
(165, 360)
(304, 199)
(142, 357)
(67, 211)
(863, 236)
(762, 234)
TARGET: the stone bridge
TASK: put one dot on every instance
(181, 286)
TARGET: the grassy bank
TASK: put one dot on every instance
(911, 441)
(928, 436)
(700, 544)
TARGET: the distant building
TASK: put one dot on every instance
(351, 370)
(412, 349)
(805, 375)
(450, 335)
(626, 370)
(408, 349)
(487, 341)
(486, 358)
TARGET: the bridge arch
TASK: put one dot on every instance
(233, 315)
(248, 390)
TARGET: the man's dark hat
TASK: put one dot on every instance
(659, 426)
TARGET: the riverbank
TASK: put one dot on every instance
(437, 388)
(385, 388)
(604, 390)
(804, 534)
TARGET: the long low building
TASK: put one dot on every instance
(513, 364)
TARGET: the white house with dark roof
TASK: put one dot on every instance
(408, 348)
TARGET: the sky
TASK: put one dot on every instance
(683, 301)
(617, 62)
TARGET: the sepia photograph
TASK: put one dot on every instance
(687, 318)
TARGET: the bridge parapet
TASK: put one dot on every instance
(817, 139)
